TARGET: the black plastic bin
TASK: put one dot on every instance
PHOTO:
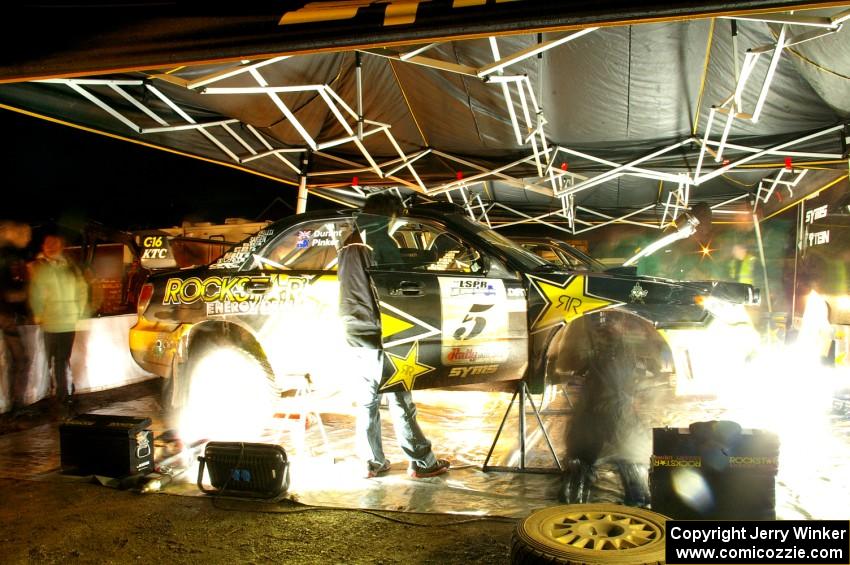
(108, 445)
(714, 471)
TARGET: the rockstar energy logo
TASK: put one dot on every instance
(565, 301)
(232, 289)
(676, 461)
(396, 12)
(749, 461)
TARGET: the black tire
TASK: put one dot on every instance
(561, 534)
(252, 381)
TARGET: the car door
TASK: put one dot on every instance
(294, 281)
(446, 320)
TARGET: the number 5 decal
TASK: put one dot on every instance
(478, 322)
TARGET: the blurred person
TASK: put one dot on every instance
(14, 239)
(133, 281)
(370, 244)
(606, 425)
(58, 300)
(743, 266)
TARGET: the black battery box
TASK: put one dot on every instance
(108, 445)
(714, 471)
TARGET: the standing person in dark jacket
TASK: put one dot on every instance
(14, 239)
(370, 244)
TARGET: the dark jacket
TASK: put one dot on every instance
(13, 283)
(358, 302)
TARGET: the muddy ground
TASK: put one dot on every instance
(60, 520)
(65, 522)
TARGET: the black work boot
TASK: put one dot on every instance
(635, 484)
(577, 481)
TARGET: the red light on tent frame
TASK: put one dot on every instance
(788, 166)
(459, 175)
(564, 166)
(355, 181)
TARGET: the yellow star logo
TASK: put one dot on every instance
(565, 301)
(407, 368)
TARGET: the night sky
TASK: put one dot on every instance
(55, 173)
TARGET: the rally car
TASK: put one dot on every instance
(465, 307)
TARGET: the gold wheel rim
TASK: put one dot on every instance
(601, 530)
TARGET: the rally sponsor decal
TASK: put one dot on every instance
(399, 327)
(237, 256)
(317, 238)
(474, 321)
(155, 247)
(325, 237)
(242, 294)
(302, 239)
(565, 301)
(473, 371)
(406, 369)
(471, 355)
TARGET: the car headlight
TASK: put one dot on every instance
(728, 312)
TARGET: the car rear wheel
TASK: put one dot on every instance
(227, 394)
(589, 533)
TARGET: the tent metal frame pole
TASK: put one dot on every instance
(228, 73)
(358, 80)
(814, 21)
(193, 126)
(301, 202)
(497, 172)
(523, 54)
(533, 219)
(603, 177)
(612, 220)
(417, 51)
(494, 48)
(760, 243)
(717, 172)
(271, 151)
(104, 106)
(768, 79)
(806, 154)
(144, 109)
(798, 247)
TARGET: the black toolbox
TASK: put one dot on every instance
(714, 471)
(108, 445)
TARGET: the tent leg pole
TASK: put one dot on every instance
(301, 203)
(760, 243)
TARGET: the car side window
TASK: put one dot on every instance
(429, 247)
(311, 246)
(557, 256)
(544, 252)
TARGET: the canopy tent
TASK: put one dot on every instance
(576, 127)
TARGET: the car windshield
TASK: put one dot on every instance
(592, 264)
(528, 260)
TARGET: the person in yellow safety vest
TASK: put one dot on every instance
(58, 300)
(743, 266)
